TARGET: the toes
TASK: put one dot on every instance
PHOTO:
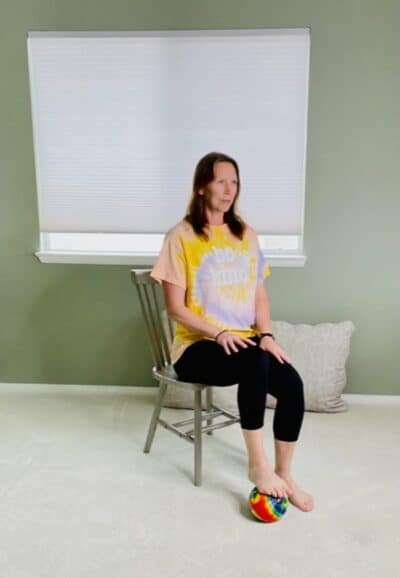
(280, 494)
(310, 505)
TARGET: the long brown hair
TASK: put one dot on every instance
(196, 212)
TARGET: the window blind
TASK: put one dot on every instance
(120, 120)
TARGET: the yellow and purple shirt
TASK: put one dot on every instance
(219, 276)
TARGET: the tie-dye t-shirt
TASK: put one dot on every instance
(219, 275)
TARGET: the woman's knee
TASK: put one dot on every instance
(255, 365)
(295, 379)
(296, 389)
(253, 388)
(290, 384)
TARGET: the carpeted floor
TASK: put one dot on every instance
(79, 499)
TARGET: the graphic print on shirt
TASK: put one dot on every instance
(221, 286)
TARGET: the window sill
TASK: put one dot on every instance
(280, 259)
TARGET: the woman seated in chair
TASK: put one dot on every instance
(212, 272)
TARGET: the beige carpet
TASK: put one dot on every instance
(79, 499)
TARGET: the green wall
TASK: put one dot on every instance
(81, 324)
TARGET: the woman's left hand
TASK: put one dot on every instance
(268, 344)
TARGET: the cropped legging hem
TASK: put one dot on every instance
(257, 373)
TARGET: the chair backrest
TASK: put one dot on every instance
(158, 325)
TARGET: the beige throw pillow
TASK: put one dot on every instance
(319, 353)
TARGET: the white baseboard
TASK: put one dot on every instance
(124, 389)
(76, 388)
(371, 399)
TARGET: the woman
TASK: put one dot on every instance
(212, 272)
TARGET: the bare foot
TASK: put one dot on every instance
(268, 482)
(298, 497)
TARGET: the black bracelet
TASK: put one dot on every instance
(267, 334)
(220, 333)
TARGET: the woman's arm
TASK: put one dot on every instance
(263, 319)
(263, 323)
(177, 310)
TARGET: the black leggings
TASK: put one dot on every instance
(257, 372)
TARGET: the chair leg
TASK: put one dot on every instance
(197, 437)
(154, 418)
(209, 399)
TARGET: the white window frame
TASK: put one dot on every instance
(279, 251)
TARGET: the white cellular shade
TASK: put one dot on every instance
(121, 119)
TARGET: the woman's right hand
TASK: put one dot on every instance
(231, 342)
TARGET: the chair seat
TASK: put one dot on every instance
(169, 375)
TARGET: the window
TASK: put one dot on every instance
(121, 118)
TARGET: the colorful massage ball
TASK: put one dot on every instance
(265, 507)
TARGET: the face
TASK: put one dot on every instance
(222, 190)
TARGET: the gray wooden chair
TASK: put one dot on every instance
(160, 333)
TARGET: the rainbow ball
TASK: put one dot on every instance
(267, 508)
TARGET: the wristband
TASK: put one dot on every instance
(267, 334)
(220, 333)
